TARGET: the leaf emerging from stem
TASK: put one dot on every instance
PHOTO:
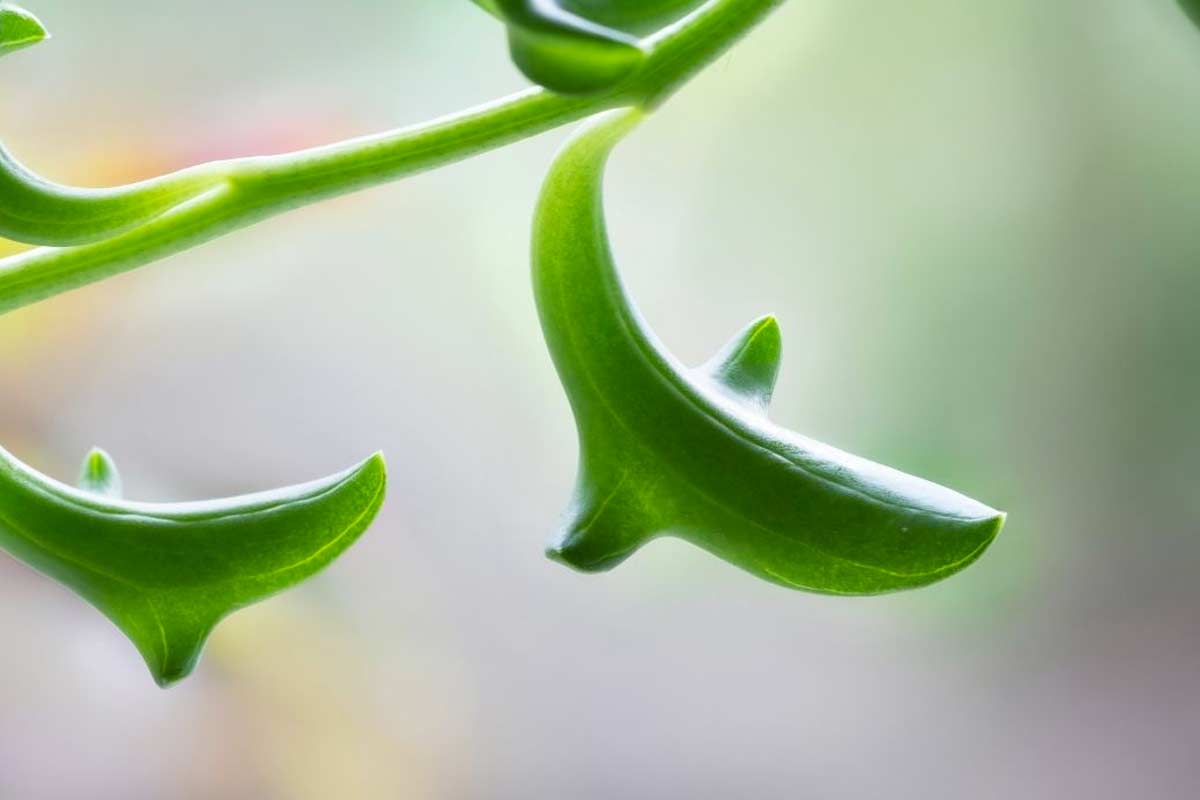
(665, 449)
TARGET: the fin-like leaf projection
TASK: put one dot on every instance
(746, 368)
(166, 574)
(669, 450)
(99, 475)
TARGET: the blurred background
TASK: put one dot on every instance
(979, 225)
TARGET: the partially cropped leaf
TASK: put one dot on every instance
(36, 211)
(166, 574)
(1192, 8)
(18, 28)
(96, 234)
(632, 16)
(690, 452)
(562, 50)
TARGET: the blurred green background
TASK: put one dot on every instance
(979, 224)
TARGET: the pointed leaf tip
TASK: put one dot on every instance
(668, 452)
(603, 526)
(748, 366)
(99, 474)
(166, 574)
(19, 28)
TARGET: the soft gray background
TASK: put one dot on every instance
(979, 224)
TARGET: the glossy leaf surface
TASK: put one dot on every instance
(562, 50)
(690, 452)
(632, 16)
(96, 234)
(166, 574)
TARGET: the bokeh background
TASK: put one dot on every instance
(979, 224)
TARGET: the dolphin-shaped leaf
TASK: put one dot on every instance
(690, 452)
(18, 28)
(166, 574)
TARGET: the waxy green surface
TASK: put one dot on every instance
(665, 449)
(563, 51)
(166, 574)
(582, 46)
(632, 16)
(94, 234)
(668, 450)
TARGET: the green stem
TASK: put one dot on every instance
(246, 191)
(324, 172)
(256, 189)
(680, 51)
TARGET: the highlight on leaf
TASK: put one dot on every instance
(563, 51)
(36, 211)
(94, 234)
(166, 574)
(665, 449)
(638, 17)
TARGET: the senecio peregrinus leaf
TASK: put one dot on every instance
(18, 28)
(690, 452)
(166, 574)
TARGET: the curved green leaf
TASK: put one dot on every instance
(631, 16)
(166, 574)
(36, 211)
(247, 191)
(18, 28)
(669, 450)
(582, 46)
(563, 51)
